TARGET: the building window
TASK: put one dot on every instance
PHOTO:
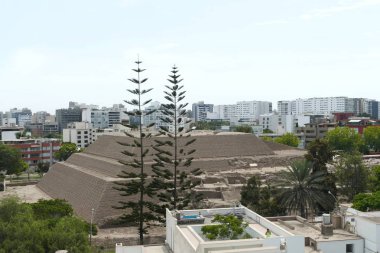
(349, 248)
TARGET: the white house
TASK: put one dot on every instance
(349, 232)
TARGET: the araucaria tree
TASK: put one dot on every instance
(174, 153)
(142, 211)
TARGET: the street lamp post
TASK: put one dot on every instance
(336, 201)
(91, 220)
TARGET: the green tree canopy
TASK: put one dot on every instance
(372, 137)
(288, 139)
(267, 131)
(374, 178)
(52, 209)
(65, 151)
(10, 160)
(367, 201)
(352, 175)
(344, 139)
(244, 129)
(42, 168)
(319, 153)
(22, 232)
(229, 227)
(209, 125)
(303, 190)
(261, 199)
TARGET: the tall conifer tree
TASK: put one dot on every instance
(174, 153)
(142, 211)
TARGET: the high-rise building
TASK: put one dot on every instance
(373, 109)
(284, 107)
(321, 106)
(80, 133)
(20, 115)
(156, 118)
(225, 112)
(200, 110)
(39, 117)
(65, 116)
(252, 109)
(105, 117)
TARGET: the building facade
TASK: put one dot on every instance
(200, 110)
(81, 134)
(328, 106)
(66, 116)
(252, 109)
(34, 151)
(105, 117)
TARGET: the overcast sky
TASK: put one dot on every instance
(53, 52)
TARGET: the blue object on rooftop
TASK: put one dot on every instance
(190, 217)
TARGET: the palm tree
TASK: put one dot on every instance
(303, 189)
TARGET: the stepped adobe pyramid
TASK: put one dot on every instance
(86, 179)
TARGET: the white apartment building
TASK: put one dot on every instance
(200, 110)
(281, 124)
(105, 117)
(320, 105)
(156, 118)
(337, 233)
(272, 122)
(81, 134)
(225, 112)
(252, 109)
(9, 122)
(328, 105)
(243, 112)
(284, 107)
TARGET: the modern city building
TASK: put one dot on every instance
(9, 122)
(329, 105)
(374, 109)
(200, 110)
(312, 131)
(225, 112)
(341, 232)
(81, 134)
(34, 151)
(19, 114)
(157, 115)
(66, 116)
(105, 117)
(252, 109)
(39, 117)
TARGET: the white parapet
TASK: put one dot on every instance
(128, 249)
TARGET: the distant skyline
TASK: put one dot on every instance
(53, 52)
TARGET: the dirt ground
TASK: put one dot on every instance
(28, 193)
